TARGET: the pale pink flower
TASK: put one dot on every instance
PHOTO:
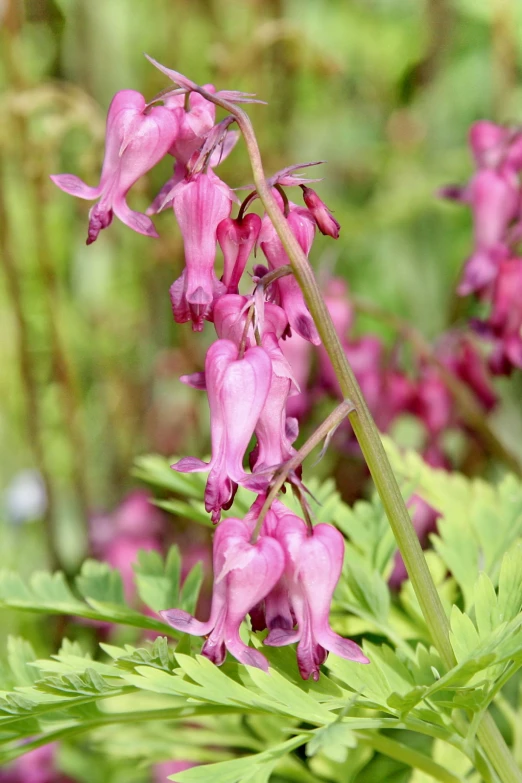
(288, 292)
(243, 575)
(136, 139)
(313, 564)
(237, 391)
(200, 203)
(237, 239)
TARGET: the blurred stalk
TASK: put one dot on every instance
(29, 383)
(504, 55)
(60, 364)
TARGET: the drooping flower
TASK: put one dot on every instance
(237, 391)
(288, 292)
(326, 223)
(298, 353)
(200, 204)
(274, 446)
(230, 314)
(237, 238)
(136, 139)
(243, 575)
(196, 126)
(313, 564)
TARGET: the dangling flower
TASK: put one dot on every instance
(237, 391)
(136, 139)
(200, 203)
(313, 564)
(289, 295)
(326, 223)
(230, 314)
(237, 239)
(274, 446)
(244, 574)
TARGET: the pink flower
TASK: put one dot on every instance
(36, 766)
(326, 223)
(488, 143)
(243, 574)
(274, 441)
(237, 239)
(237, 391)
(288, 293)
(117, 538)
(136, 139)
(313, 564)
(298, 353)
(200, 204)
(230, 313)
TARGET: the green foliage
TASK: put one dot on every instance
(339, 720)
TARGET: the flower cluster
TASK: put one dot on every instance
(420, 390)
(285, 580)
(271, 564)
(494, 270)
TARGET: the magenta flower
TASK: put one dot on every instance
(313, 564)
(136, 140)
(243, 575)
(237, 239)
(237, 392)
(326, 223)
(36, 766)
(504, 325)
(488, 143)
(200, 204)
(118, 537)
(288, 293)
(493, 198)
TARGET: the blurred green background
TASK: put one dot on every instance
(383, 90)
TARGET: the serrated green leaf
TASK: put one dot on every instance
(510, 584)
(254, 769)
(487, 614)
(99, 582)
(158, 582)
(19, 654)
(464, 636)
(334, 741)
(191, 588)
